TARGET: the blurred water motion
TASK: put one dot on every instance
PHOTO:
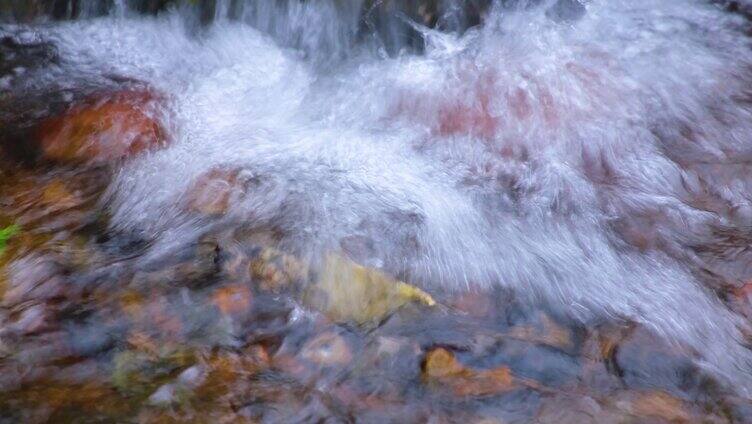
(436, 211)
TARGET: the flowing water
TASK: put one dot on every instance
(592, 157)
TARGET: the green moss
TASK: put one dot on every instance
(6, 234)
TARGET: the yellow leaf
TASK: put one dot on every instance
(348, 292)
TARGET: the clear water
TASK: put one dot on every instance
(576, 158)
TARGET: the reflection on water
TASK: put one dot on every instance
(569, 180)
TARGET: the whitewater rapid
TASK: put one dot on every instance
(576, 161)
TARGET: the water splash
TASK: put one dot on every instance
(576, 156)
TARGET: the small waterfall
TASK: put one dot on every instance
(327, 27)
(222, 10)
(119, 8)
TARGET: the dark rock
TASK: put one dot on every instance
(566, 11)
(193, 266)
(645, 361)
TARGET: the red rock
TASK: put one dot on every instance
(104, 129)
(211, 192)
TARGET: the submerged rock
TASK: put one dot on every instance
(195, 266)
(348, 292)
(544, 330)
(107, 128)
(328, 349)
(233, 299)
(441, 368)
(655, 405)
(212, 193)
(275, 271)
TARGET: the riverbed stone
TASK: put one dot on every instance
(442, 369)
(212, 192)
(106, 128)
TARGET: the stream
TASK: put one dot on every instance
(441, 211)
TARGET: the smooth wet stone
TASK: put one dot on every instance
(194, 266)
(441, 368)
(107, 128)
(387, 365)
(549, 366)
(646, 361)
(214, 192)
(655, 405)
(544, 330)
